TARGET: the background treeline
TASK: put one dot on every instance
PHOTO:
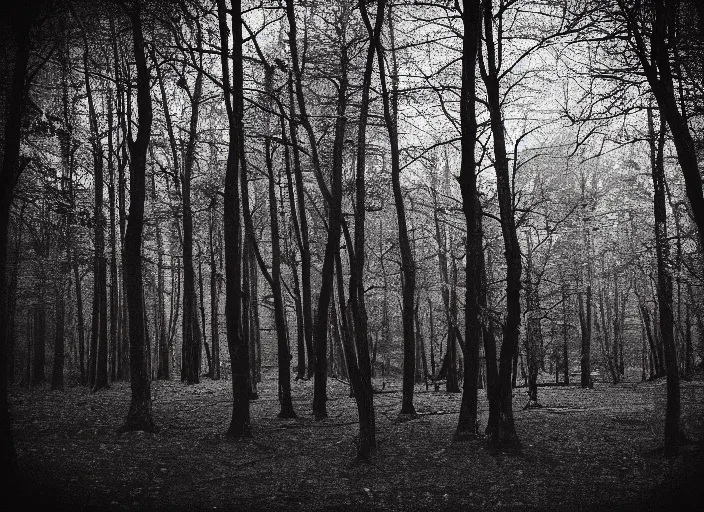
(483, 194)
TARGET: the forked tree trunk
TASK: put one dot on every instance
(504, 433)
(139, 416)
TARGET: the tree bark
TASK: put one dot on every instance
(585, 322)
(504, 432)
(408, 269)
(655, 58)
(98, 371)
(57, 376)
(334, 200)
(114, 302)
(234, 103)
(664, 287)
(214, 295)
(284, 359)
(467, 424)
(139, 416)
(300, 220)
(191, 341)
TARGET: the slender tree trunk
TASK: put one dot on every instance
(655, 59)
(300, 224)
(360, 376)
(57, 377)
(206, 347)
(284, 359)
(162, 360)
(234, 103)
(585, 322)
(504, 432)
(297, 298)
(139, 416)
(664, 288)
(452, 379)
(122, 159)
(565, 347)
(114, 305)
(12, 167)
(99, 341)
(408, 270)
(214, 296)
(334, 200)
(191, 330)
(432, 336)
(467, 423)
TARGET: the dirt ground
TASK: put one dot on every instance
(594, 449)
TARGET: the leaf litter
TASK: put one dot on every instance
(583, 450)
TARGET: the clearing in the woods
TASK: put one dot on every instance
(583, 450)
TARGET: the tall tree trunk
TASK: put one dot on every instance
(284, 359)
(191, 340)
(114, 304)
(214, 296)
(360, 376)
(234, 103)
(297, 298)
(655, 59)
(122, 160)
(57, 376)
(565, 348)
(99, 340)
(452, 379)
(467, 423)
(664, 287)
(504, 433)
(139, 416)
(408, 269)
(202, 314)
(300, 225)
(12, 167)
(162, 360)
(585, 323)
(39, 342)
(334, 200)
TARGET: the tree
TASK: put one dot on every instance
(503, 432)
(20, 19)
(654, 39)
(234, 103)
(664, 286)
(471, 206)
(139, 416)
(408, 269)
(190, 371)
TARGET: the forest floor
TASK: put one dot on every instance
(598, 449)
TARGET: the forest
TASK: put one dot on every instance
(371, 254)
